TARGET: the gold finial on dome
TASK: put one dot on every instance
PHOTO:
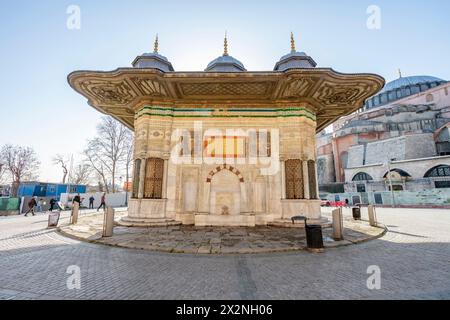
(225, 45)
(292, 43)
(156, 44)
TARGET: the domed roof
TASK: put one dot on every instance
(401, 88)
(294, 60)
(153, 60)
(409, 81)
(225, 63)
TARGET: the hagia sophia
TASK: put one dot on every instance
(400, 139)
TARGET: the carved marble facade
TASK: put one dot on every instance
(235, 190)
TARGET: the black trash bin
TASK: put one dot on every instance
(356, 213)
(314, 238)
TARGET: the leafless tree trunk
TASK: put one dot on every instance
(81, 174)
(2, 171)
(21, 163)
(108, 150)
(97, 166)
(63, 161)
(129, 148)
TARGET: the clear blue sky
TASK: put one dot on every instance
(39, 109)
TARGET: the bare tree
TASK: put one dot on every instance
(81, 174)
(21, 163)
(63, 161)
(2, 171)
(96, 164)
(106, 152)
(129, 149)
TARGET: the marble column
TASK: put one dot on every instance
(165, 176)
(142, 179)
(283, 180)
(305, 180)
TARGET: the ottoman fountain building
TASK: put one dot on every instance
(226, 146)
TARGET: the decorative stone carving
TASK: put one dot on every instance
(225, 167)
(109, 92)
(149, 87)
(340, 95)
(225, 89)
(297, 87)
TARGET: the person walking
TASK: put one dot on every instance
(103, 202)
(91, 202)
(52, 204)
(31, 204)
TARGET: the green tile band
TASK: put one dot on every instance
(240, 113)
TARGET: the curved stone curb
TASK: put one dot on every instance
(346, 243)
(210, 250)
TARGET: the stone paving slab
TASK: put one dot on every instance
(214, 240)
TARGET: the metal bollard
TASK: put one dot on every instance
(75, 211)
(338, 225)
(372, 216)
(108, 222)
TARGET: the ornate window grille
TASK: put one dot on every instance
(312, 179)
(294, 179)
(154, 171)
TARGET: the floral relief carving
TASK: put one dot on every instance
(109, 92)
(330, 94)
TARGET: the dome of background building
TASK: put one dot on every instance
(225, 63)
(294, 60)
(401, 88)
(153, 60)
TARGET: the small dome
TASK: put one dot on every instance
(225, 63)
(401, 88)
(153, 60)
(294, 60)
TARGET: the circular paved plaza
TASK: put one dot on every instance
(215, 240)
(413, 257)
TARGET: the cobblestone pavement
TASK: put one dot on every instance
(414, 258)
(215, 240)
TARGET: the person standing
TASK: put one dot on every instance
(77, 199)
(52, 204)
(91, 202)
(103, 202)
(31, 204)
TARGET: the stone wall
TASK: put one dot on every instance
(401, 148)
(416, 168)
(430, 197)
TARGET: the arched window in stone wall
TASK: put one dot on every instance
(154, 171)
(429, 97)
(439, 171)
(294, 179)
(136, 177)
(362, 176)
(312, 179)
